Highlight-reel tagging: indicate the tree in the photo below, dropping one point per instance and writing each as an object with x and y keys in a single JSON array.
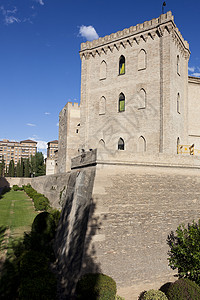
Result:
[
  {"x": 184, "y": 253},
  {"x": 39, "y": 164},
  {"x": 6, "y": 171},
  {"x": 26, "y": 168},
  {"x": 21, "y": 170},
  {"x": 2, "y": 167},
  {"x": 33, "y": 166},
  {"x": 18, "y": 169},
  {"x": 11, "y": 169}
]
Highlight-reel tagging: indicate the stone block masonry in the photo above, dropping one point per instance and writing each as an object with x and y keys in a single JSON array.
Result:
[
  {"x": 137, "y": 207},
  {"x": 129, "y": 211}
]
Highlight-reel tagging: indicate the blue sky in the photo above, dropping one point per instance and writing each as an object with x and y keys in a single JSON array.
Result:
[{"x": 39, "y": 54}]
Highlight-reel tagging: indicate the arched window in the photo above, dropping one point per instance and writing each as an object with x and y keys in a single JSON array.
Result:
[
  {"x": 178, "y": 103},
  {"x": 103, "y": 70},
  {"x": 121, "y": 144},
  {"x": 121, "y": 102},
  {"x": 102, "y": 106},
  {"x": 142, "y": 99},
  {"x": 178, "y": 65},
  {"x": 101, "y": 144},
  {"x": 178, "y": 143},
  {"x": 142, "y": 60},
  {"x": 142, "y": 144},
  {"x": 122, "y": 65}
]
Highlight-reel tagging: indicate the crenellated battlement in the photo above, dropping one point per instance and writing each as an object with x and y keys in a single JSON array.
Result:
[
  {"x": 148, "y": 29},
  {"x": 69, "y": 106},
  {"x": 73, "y": 105}
]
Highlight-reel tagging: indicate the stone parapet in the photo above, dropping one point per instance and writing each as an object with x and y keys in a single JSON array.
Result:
[
  {"x": 192, "y": 79},
  {"x": 158, "y": 160},
  {"x": 87, "y": 158},
  {"x": 133, "y": 34}
]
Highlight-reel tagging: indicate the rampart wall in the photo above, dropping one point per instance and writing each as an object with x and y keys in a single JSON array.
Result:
[
  {"x": 52, "y": 186},
  {"x": 118, "y": 216}
]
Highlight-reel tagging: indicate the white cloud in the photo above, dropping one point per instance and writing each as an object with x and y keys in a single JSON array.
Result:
[
  {"x": 47, "y": 113},
  {"x": 196, "y": 74},
  {"x": 9, "y": 15},
  {"x": 11, "y": 20},
  {"x": 191, "y": 69},
  {"x": 57, "y": 124},
  {"x": 40, "y": 2},
  {"x": 41, "y": 145},
  {"x": 12, "y": 11},
  {"x": 88, "y": 32},
  {"x": 30, "y": 124}
]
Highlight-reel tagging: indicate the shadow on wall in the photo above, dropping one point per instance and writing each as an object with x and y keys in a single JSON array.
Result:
[
  {"x": 73, "y": 238},
  {"x": 3, "y": 184}
]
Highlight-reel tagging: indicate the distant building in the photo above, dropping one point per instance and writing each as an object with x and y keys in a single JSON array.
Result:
[
  {"x": 16, "y": 150},
  {"x": 52, "y": 147},
  {"x": 51, "y": 160}
]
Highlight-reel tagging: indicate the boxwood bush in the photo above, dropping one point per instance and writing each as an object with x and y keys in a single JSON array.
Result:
[
  {"x": 17, "y": 188},
  {"x": 96, "y": 286},
  {"x": 36, "y": 280},
  {"x": 153, "y": 295},
  {"x": 40, "y": 201},
  {"x": 183, "y": 289}
]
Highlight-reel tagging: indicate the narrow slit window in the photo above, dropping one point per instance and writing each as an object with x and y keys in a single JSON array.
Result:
[
  {"x": 178, "y": 65},
  {"x": 178, "y": 143},
  {"x": 122, "y": 65},
  {"x": 178, "y": 103}
]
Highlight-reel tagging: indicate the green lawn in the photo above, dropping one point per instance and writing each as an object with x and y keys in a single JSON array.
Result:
[{"x": 16, "y": 212}]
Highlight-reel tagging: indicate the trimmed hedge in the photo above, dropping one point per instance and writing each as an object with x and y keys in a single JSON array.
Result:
[
  {"x": 17, "y": 188},
  {"x": 153, "y": 295},
  {"x": 44, "y": 224},
  {"x": 96, "y": 286},
  {"x": 183, "y": 289},
  {"x": 27, "y": 274},
  {"x": 40, "y": 201},
  {"x": 36, "y": 280}
]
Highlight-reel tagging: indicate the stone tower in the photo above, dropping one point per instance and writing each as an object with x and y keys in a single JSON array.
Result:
[
  {"x": 134, "y": 89},
  {"x": 69, "y": 125}
]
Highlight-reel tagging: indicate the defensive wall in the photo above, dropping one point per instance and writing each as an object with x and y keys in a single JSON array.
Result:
[{"x": 116, "y": 216}]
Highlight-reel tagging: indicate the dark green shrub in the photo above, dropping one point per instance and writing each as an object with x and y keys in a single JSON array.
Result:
[
  {"x": 9, "y": 280},
  {"x": 33, "y": 264},
  {"x": 38, "y": 288},
  {"x": 56, "y": 215},
  {"x": 153, "y": 295},
  {"x": 96, "y": 286},
  {"x": 183, "y": 289},
  {"x": 17, "y": 188},
  {"x": 184, "y": 254},
  {"x": 41, "y": 203},
  {"x": 38, "y": 195},
  {"x": 44, "y": 224},
  {"x": 36, "y": 280}
]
